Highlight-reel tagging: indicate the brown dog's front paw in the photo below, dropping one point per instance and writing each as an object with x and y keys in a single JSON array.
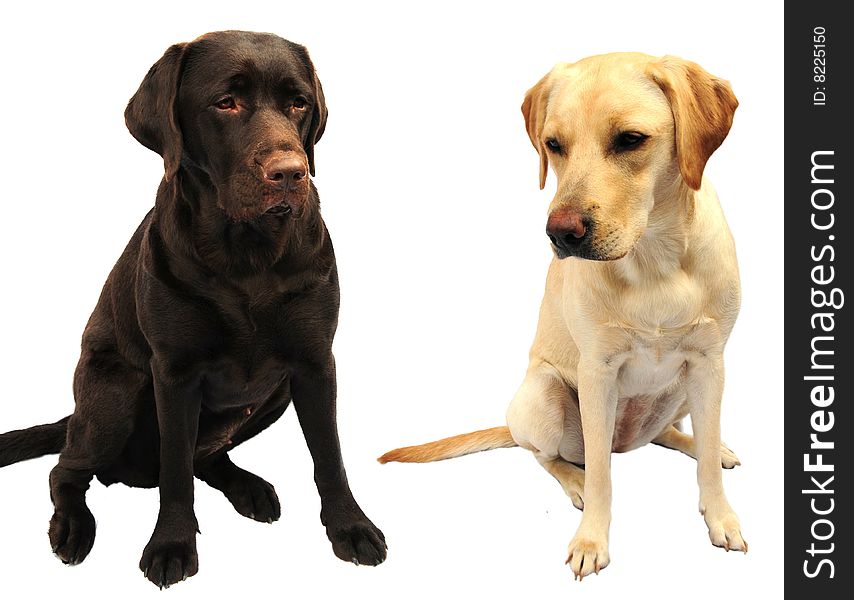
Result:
[
  {"x": 164, "y": 563},
  {"x": 359, "y": 542},
  {"x": 72, "y": 533}
]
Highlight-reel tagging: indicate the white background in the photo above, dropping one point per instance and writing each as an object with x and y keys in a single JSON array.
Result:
[{"x": 429, "y": 187}]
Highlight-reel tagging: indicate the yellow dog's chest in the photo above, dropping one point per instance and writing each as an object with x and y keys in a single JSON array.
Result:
[
  {"x": 649, "y": 370},
  {"x": 653, "y": 328},
  {"x": 648, "y": 383}
]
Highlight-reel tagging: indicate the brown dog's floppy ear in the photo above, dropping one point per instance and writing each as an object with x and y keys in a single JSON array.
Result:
[
  {"x": 318, "y": 123},
  {"x": 534, "y": 110},
  {"x": 703, "y": 107},
  {"x": 151, "y": 113}
]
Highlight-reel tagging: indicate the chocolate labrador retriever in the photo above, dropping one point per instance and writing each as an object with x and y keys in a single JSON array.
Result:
[{"x": 219, "y": 313}]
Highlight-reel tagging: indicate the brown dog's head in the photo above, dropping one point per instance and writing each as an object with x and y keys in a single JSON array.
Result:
[
  {"x": 243, "y": 109},
  {"x": 619, "y": 131}
]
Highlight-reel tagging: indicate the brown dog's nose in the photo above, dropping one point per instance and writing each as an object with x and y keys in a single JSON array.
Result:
[
  {"x": 284, "y": 171},
  {"x": 566, "y": 229}
]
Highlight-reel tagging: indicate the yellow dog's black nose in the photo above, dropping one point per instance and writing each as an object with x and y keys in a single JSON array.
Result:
[{"x": 566, "y": 229}]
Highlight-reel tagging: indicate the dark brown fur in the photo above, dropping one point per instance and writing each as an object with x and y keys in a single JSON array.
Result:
[{"x": 218, "y": 314}]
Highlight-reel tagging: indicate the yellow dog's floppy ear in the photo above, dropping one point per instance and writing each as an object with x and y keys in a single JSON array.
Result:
[
  {"x": 703, "y": 107},
  {"x": 534, "y": 110}
]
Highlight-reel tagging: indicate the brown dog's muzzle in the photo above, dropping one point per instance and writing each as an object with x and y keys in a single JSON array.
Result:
[{"x": 286, "y": 177}]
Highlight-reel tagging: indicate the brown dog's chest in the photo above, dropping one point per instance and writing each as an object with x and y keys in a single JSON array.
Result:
[
  {"x": 234, "y": 383},
  {"x": 236, "y": 397},
  {"x": 241, "y": 374}
]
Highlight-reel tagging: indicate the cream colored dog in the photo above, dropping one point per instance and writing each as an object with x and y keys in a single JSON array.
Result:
[{"x": 642, "y": 293}]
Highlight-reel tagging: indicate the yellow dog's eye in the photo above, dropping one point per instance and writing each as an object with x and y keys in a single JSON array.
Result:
[
  {"x": 629, "y": 140},
  {"x": 553, "y": 145}
]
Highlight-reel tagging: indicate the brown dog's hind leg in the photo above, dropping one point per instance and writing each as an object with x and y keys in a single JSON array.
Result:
[
  {"x": 72, "y": 526},
  {"x": 250, "y": 495},
  {"x": 683, "y": 442},
  {"x": 98, "y": 430}
]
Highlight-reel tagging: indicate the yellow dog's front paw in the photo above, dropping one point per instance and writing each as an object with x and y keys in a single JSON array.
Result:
[
  {"x": 725, "y": 530},
  {"x": 587, "y": 555}
]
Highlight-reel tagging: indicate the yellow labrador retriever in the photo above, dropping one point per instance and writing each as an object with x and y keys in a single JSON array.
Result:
[{"x": 642, "y": 293}]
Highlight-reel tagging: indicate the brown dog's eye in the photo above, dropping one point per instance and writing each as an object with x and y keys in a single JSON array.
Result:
[
  {"x": 553, "y": 145},
  {"x": 629, "y": 140},
  {"x": 227, "y": 103},
  {"x": 299, "y": 104}
]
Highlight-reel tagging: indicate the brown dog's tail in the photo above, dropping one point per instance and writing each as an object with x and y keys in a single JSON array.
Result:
[
  {"x": 452, "y": 447},
  {"x": 32, "y": 442}
]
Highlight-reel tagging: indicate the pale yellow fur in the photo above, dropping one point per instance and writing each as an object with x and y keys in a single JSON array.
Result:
[{"x": 628, "y": 346}]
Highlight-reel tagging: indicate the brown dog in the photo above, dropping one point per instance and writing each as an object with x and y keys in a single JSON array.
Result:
[
  {"x": 219, "y": 313},
  {"x": 642, "y": 293}
]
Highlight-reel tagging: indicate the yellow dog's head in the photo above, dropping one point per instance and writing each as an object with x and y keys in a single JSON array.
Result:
[{"x": 619, "y": 131}]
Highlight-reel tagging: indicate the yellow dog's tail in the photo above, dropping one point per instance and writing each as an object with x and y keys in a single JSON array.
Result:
[{"x": 452, "y": 447}]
